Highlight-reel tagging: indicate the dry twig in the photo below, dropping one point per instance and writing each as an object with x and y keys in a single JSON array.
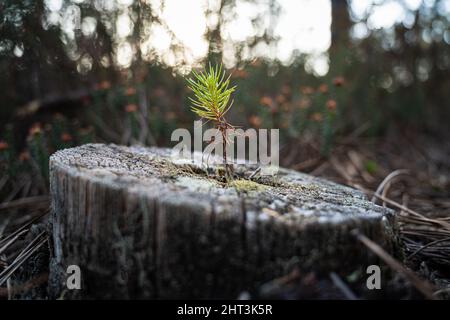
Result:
[{"x": 422, "y": 285}]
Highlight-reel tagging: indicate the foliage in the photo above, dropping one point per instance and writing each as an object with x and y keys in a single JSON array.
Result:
[
  {"x": 212, "y": 102},
  {"x": 212, "y": 94},
  {"x": 391, "y": 79}
]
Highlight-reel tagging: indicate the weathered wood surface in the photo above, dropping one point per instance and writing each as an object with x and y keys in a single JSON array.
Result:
[{"x": 141, "y": 225}]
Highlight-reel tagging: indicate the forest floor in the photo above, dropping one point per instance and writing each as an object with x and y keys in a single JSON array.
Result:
[
  {"x": 420, "y": 183},
  {"x": 415, "y": 172}
]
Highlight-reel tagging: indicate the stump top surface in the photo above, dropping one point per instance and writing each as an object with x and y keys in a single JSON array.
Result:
[{"x": 152, "y": 173}]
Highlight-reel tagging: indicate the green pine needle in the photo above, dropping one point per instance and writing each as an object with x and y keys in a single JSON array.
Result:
[{"x": 212, "y": 93}]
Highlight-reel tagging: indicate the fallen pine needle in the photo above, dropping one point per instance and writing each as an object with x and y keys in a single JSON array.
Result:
[{"x": 422, "y": 285}]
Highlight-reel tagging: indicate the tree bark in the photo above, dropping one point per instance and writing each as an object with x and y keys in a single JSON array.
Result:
[
  {"x": 340, "y": 23},
  {"x": 141, "y": 224}
]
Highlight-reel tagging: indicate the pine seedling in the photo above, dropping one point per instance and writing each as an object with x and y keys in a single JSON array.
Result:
[{"x": 212, "y": 101}]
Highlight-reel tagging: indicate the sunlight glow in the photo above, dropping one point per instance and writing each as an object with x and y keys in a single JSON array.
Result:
[
  {"x": 302, "y": 27},
  {"x": 386, "y": 15},
  {"x": 124, "y": 25},
  {"x": 124, "y": 54}
]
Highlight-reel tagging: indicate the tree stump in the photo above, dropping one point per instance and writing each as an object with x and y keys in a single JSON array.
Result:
[{"x": 142, "y": 225}]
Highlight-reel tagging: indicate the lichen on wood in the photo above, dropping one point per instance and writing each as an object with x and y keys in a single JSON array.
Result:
[{"x": 143, "y": 225}]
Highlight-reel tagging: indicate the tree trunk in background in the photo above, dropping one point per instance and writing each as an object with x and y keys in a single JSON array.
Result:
[
  {"x": 340, "y": 39},
  {"x": 340, "y": 24},
  {"x": 214, "y": 37}
]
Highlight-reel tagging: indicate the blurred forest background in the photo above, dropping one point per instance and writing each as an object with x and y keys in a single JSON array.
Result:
[{"x": 358, "y": 88}]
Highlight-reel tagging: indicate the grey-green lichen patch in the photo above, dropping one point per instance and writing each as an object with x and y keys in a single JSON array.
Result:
[
  {"x": 293, "y": 195},
  {"x": 196, "y": 184},
  {"x": 242, "y": 185}
]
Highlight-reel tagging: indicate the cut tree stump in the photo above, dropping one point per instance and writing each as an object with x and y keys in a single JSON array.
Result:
[{"x": 140, "y": 224}]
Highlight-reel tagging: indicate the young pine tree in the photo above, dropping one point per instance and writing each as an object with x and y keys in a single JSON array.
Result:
[{"x": 212, "y": 93}]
